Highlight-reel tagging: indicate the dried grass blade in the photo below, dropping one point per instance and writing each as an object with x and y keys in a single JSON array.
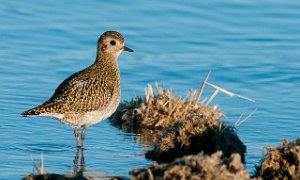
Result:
[
  {"x": 199, "y": 94},
  {"x": 228, "y": 92},
  {"x": 246, "y": 118},
  {"x": 35, "y": 164},
  {"x": 42, "y": 169},
  {"x": 212, "y": 97},
  {"x": 157, "y": 88},
  {"x": 238, "y": 120}
]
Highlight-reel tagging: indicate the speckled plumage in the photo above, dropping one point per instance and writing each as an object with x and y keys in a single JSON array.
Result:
[{"x": 90, "y": 95}]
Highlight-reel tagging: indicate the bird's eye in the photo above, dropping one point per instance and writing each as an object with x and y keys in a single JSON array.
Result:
[{"x": 113, "y": 43}]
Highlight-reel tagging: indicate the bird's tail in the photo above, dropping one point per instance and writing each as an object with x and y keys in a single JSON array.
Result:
[
  {"x": 32, "y": 112},
  {"x": 41, "y": 109}
]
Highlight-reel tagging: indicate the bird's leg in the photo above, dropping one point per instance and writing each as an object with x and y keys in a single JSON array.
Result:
[
  {"x": 76, "y": 133},
  {"x": 83, "y": 136}
]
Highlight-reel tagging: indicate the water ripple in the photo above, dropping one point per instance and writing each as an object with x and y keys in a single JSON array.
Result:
[{"x": 42, "y": 147}]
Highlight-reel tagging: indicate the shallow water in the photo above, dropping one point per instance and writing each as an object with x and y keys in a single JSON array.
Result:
[{"x": 252, "y": 48}]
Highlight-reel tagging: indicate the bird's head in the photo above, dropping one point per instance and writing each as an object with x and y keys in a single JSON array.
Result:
[{"x": 112, "y": 42}]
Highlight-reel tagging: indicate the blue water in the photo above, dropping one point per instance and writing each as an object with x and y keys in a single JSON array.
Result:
[{"x": 252, "y": 48}]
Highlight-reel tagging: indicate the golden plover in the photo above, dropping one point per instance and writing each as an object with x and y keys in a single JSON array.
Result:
[{"x": 90, "y": 95}]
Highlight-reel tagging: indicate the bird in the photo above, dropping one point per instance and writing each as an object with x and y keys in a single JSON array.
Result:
[{"x": 91, "y": 95}]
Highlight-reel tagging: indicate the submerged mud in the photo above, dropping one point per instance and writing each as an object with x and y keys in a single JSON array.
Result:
[
  {"x": 198, "y": 166},
  {"x": 197, "y": 134},
  {"x": 281, "y": 162}
]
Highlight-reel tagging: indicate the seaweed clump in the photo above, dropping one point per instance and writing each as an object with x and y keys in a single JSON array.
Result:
[
  {"x": 281, "y": 162},
  {"x": 198, "y": 166},
  {"x": 195, "y": 134}
]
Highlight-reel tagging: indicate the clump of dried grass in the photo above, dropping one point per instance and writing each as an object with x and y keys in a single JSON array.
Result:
[
  {"x": 166, "y": 113},
  {"x": 198, "y": 166},
  {"x": 281, "y": 162},
  {"x": 151, "y": 116},
  {"x": 194, "y": 134},
  {"x": 159, "y": 111}
]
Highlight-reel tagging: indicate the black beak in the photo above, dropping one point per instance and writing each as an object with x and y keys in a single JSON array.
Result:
[{"x": 127, "y": 49}]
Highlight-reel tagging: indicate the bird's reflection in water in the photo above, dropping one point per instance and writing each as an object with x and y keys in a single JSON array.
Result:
[{"x": 79, "y": 173}]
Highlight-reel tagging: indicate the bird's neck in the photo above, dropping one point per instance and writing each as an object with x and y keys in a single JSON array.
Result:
[{"x": 107, "y": 59}]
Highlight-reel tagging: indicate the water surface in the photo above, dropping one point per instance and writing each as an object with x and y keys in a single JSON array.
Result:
[{"x": 252, "y": 48}]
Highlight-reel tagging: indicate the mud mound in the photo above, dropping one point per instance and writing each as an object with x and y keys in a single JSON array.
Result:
[
  {"x": 194, "y": 134},
  {"x": 282, "y": 162},
  {"x": 198, "y": 166}
]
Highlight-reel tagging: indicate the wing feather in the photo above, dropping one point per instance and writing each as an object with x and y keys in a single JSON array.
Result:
[{"x": 81, "y": 92}]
